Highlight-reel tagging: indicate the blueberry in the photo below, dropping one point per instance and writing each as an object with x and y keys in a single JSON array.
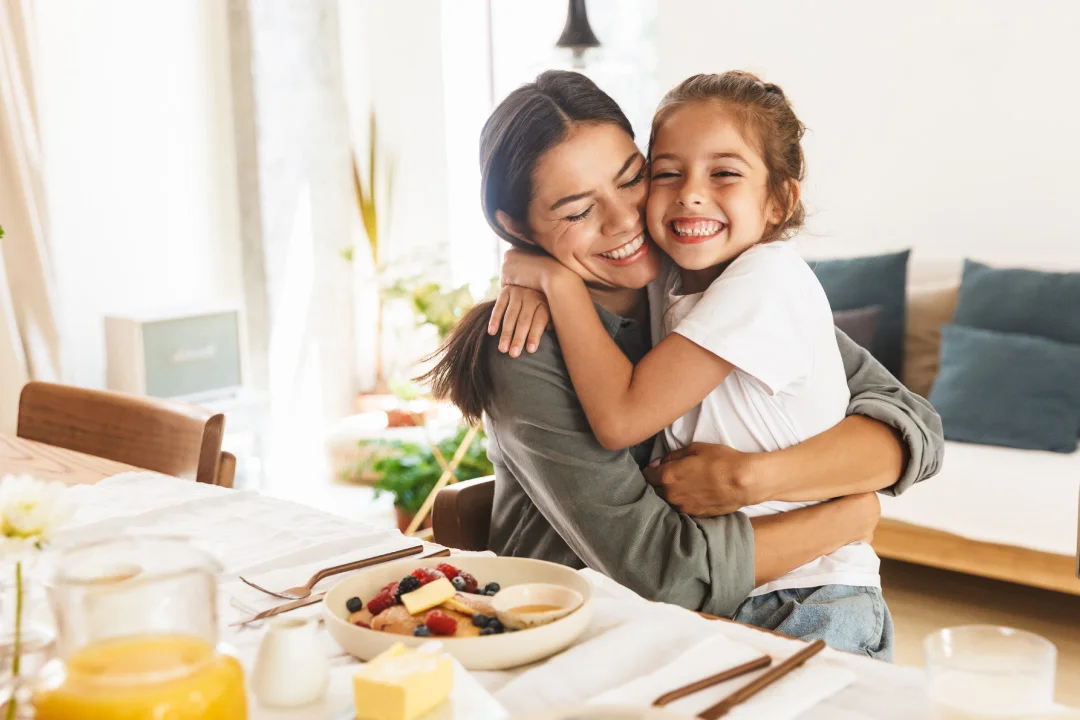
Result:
[
  {"x": 354, "y": 604},
  {"x": 459, "y": 584},
  {"x": 480, "y": 620},
  {"x": 491, "y": 588},
  {"x": 495, "y": 625},
  {"x": 422, "y": 631},
  {"x": 488, "y": 631},
  {"x": 407, "y": 585}
]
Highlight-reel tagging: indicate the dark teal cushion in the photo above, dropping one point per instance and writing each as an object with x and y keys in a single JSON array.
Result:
[
  {"x": 880, "y": 280},
  {"x": 1006, "y": 389},
  {"x": 1014, "y": 300}
]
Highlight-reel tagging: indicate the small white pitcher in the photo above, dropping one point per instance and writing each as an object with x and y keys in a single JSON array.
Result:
[{"x": 291, "y": 668}]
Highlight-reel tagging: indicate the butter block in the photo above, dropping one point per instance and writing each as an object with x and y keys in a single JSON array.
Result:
[
  {"x": 402, "y": 684},
  {"x": 431, "y": 595}
]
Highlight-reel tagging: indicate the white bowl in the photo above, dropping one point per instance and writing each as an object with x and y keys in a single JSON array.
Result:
[
  {"x": 489, "y": 652},
  {"x": 563, "y": 599}
]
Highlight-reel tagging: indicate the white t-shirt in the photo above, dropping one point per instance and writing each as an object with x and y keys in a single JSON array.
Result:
[{"x": 767, "y": 315}]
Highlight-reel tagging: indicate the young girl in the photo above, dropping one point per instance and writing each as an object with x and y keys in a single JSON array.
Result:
[{"x": 745, "y": 351}]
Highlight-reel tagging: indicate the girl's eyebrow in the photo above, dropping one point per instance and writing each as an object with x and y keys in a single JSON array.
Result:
[
  {"x": 714, "y": 156},
  {"x": 730, "y": 156}
]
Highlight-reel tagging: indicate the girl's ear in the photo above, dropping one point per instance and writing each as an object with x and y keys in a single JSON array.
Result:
[
  {"x": 512, "y": 227},
  {"x": 778, "y": 213}
]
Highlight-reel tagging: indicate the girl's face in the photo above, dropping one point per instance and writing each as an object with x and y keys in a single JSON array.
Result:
[
  {"x": 588, "y": 208},
  {"x": 709, "y": 199}
]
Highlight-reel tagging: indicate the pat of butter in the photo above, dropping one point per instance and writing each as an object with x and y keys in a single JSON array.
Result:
[
  {"x": 402, "y": 684},
  {"x": 434, "y": 593}
]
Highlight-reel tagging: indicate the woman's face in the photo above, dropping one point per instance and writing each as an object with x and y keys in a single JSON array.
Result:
[{"x": 588, "y": 208}]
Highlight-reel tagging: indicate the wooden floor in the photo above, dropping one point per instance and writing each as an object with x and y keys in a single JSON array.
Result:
[{"x": 925, "y": 599}]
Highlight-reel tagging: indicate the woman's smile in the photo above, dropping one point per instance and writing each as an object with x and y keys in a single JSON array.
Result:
[{"x": 630, "y": 252}]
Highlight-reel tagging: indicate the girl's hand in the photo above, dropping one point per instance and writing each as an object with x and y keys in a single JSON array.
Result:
[
  {"x": 531, "y": 270},
  {"x": 524, "y": 316}
]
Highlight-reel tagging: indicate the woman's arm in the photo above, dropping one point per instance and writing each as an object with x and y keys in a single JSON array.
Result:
[
  {"x": 601, "y": 506},
  {"x": 625, "y": 403},
  {"x": 789, "y": 540},
  {"x": 890, "y": 440}
]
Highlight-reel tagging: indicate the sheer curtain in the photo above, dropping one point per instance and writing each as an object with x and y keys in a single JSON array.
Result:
[{"x": 29, "y": 341}]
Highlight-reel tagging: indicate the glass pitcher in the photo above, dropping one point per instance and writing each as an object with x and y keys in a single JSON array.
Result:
[{"x": 137, "y": 635}]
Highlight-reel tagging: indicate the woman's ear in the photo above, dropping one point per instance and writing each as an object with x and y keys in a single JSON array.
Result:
[{"x": 512, "y": 227}]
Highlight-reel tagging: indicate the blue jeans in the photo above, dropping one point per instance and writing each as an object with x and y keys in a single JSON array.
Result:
[{"x": 855, "y": 619}]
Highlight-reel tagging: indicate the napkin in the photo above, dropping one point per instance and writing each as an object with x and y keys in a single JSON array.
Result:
[
  {"x": 789, "y": 697},
  {"x": 636, "y": 650},
  {"x": 250, "y": 601}
]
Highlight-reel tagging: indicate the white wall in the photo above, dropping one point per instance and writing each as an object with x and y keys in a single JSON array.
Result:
[
  {"x": 139, "y": 165},
  {"x": 947, "y": 127}
]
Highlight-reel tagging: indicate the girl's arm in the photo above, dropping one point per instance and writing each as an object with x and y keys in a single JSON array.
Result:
[{"x": 625, "y": 404}]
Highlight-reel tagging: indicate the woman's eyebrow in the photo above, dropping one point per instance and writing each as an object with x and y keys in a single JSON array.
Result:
[
  {"x": 572, "y": 198},
  {"x": 626, "y": 165}
]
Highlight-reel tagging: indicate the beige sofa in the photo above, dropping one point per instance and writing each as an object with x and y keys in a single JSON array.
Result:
[{"x": 996, "y": 512}]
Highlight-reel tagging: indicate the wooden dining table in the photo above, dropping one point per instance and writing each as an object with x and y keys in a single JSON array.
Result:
[{"x": 48, "y": 462}]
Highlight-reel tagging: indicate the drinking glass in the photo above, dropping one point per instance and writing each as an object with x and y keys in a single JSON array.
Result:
[{"x": 977, "y": 672}]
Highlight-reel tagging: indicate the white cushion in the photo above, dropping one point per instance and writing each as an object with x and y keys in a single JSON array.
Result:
[{"x": 1024, "y": 498}]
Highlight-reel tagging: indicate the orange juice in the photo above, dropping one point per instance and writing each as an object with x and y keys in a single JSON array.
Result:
[{"x": 145, "y": 677}]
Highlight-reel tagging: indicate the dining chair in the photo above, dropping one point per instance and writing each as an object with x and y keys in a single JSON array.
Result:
[
  {"x": 461, "y": 514},
  {"x": 165, "y": 436}
]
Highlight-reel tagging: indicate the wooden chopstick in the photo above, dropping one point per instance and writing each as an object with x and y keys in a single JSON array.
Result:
[
  {"x": 729, "y": 674},
  {"x": 755, "y": 686}
]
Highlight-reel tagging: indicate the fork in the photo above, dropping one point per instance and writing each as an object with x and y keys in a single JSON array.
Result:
[{"x": 302, "y": 591}]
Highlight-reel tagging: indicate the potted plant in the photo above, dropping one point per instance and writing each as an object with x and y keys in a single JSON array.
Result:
[{"x": 409, "y": 471}]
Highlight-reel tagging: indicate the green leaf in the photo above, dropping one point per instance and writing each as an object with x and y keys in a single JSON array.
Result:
[{"x": 409, "y": 471}]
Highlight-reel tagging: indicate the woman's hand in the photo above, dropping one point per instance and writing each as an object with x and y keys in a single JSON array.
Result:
[
  {"x": 705, "y": 480},
  {"x": 865, "y": 509},
  {"x": 532, "y": 270},
  {"x": 523, "y": 315}
]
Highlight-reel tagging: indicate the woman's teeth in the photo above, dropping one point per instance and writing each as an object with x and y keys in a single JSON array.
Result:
[
  {"x": 696, "y": 228},
  {"x": 626, "y": 250}
]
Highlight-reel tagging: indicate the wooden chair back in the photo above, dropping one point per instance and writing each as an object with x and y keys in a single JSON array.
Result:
[
  {"x": 160, "y": 435},
  {"x": 461, "y": 515},
  {"x": 226, "y": 471}
]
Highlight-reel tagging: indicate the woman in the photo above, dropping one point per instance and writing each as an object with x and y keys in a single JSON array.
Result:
[{"x": 561, "y": 173}]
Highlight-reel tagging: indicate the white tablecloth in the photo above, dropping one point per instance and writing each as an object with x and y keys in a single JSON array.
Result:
[{"x": 259, "y": 536}]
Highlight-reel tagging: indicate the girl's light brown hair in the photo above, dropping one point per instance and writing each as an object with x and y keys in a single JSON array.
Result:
[{"x": 768, "y": 121}]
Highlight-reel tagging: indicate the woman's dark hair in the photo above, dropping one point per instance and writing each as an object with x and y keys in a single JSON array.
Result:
[{"x": 530, "y": 121}]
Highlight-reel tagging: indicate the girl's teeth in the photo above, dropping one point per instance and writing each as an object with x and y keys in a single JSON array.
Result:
[
  {"x": 696, "y": 228},
  {"x": 626, "y": 250}
]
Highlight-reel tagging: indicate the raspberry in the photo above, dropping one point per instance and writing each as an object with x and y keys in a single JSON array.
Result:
[
  {"x": 448, "y": 570},
  {"x": 361, "y": 623},
  {"x": 439, "y": 623},
  {"x": 389, "y": 588},
  {"x": 470, "y": 582},
  {"x": 380, "y": 602},
  {"x": 426, "y": 575}
]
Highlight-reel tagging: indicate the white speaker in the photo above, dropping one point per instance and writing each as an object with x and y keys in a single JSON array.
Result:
[{"x": 191, "y": 355}]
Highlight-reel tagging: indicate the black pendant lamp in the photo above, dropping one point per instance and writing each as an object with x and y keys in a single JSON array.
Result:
[{"x": 577, "y": 36}]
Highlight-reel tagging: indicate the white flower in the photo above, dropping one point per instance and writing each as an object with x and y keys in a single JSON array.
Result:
[{"x": 31, "y": 510}]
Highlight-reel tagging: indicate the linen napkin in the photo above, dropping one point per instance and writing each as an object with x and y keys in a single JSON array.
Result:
[
  {"x": 789, "y": 697},
  {"x": 636, "y": 650},
  {"x": 250, "y": 601}
]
